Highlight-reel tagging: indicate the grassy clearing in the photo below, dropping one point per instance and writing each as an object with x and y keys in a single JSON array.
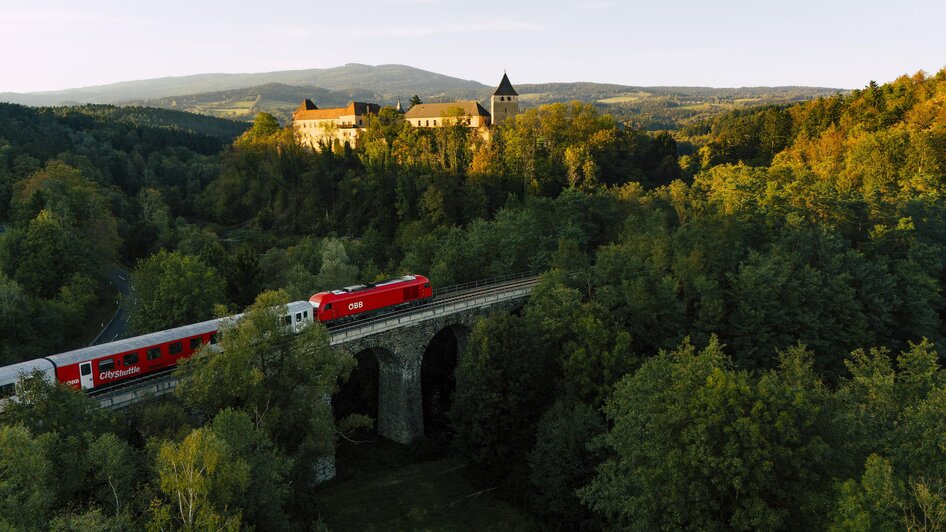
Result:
[
  {"x": 384, "y": 486},
  {"x": 698, "y": 107},
  {"x": 626, "y": 97}
]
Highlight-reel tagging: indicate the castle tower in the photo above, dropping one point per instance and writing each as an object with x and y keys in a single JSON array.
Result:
[{"x": 504, "y": 102}]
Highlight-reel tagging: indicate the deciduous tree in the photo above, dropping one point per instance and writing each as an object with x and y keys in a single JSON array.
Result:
[{"x": 173, "y": 290}]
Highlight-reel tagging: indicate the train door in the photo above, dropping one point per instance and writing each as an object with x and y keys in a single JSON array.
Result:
[{"x": 85, "y": 375}]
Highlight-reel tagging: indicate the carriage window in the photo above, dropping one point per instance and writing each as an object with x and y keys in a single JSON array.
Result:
[
  {"x": 287, "y": 320},
  {"x": 7, "y": 390},
  {"x": 305, "y": 314},
  {"x": 131, "y": 358},
  {"x": 154, "y": 353},
  {"x": 298, "y": 316},
  {"x": 176, "y": 348},
  {"x": 328, "y": 307},
  {"x": 85, "y": 369},
  {"x": 106, "y": 365},
  {"x": 213, "y": 338},
  {"x": 195, "y": 343}
]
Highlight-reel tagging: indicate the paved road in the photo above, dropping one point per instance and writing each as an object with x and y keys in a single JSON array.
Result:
[{"x": 115, "y": 329}]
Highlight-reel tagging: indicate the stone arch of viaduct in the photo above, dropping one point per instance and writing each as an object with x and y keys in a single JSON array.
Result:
[{"x": 400, "y": 354}]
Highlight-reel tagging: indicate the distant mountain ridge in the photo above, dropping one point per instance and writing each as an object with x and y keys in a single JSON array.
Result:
[{"x": 385, "y": 79}]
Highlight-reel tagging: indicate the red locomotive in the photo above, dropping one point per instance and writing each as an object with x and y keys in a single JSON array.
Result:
[{"x": 353, "y": 301}]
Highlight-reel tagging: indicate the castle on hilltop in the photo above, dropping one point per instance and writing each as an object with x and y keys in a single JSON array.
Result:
[{"x": 316, "y": 126}]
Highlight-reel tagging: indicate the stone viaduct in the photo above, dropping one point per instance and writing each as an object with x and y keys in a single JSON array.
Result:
[{"x": 398, "y": 341}]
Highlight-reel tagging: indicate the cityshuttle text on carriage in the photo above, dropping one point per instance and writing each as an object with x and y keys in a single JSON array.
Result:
[{"x": 111, "y": 374}]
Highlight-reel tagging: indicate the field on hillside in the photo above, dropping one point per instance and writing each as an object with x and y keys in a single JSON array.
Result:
[{"x": 625, "y": 98}]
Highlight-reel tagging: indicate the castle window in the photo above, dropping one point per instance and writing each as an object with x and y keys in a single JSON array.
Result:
[
  {"x": 435, "y": 122},
  {"x": 502, "y": 99},
  {"x": 428, "y": 122}
]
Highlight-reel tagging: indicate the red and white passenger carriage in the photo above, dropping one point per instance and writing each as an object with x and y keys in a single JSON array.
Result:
[{"x": 107, "y": 364}]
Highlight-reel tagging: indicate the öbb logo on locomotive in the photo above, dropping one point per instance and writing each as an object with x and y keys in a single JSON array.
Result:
[{"x": 107, "y": 364}]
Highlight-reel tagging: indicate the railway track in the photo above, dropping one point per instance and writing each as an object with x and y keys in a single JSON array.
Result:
[{"x": 163, "y": 380}]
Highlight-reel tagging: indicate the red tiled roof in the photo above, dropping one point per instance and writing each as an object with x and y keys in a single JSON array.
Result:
[{"x": 304, "y": 112}]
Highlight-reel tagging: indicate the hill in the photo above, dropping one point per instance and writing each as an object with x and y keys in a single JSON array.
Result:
[
  {"x": 149, "y": 117},
  {"x": 385, "y": 79},
  {"x": 277, "y": 99}
]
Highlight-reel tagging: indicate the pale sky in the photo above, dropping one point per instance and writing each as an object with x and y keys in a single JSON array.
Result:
[{"x": 47, "y": 45}]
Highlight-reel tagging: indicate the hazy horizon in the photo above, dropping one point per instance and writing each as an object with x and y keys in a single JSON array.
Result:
[{"x": 738, "y": 43}]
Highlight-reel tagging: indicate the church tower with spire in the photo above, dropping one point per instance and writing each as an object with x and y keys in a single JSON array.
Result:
[{"x": 504, "y": 102}]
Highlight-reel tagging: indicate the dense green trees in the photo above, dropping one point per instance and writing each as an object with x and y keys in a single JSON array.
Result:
[
  {"x": 563, "y": 461},
  {"x": 503, "y": 386},
  {"x": 281, "y": 381},
  {"x": 173, "y": 290},
  {"x": 26, "y": 493},
  {"x": 237, "y": 450},
  {"x": 81, "y": 189},
  {"x": 700, "y": 444},
  {"x": 833, "y": 238},
  {"x": 62, "y": 237},
  {"x": 795, "y": 247}
]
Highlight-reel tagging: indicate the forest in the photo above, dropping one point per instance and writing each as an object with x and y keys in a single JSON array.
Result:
[{"x": 737, "y": 324}]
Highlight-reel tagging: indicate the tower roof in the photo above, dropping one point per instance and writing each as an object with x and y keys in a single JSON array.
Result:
[
  {"x": 505, "y": 88},
  {"x": 306, "y": 105}
]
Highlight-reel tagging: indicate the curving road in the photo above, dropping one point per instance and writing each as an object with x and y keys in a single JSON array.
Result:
[{"x": 115, "y": 328}]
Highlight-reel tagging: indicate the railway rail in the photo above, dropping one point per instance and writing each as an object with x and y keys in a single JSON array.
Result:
[{"x": 445, "y": 301}]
